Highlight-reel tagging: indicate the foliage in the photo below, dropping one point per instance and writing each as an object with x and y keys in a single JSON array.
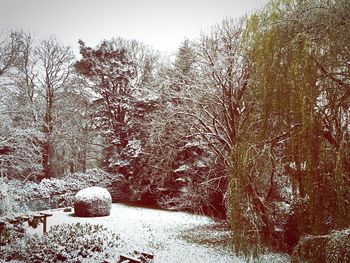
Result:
[
  {"x": 110, "y": 70},
  {"x": 254, "y": 114},
  {"x": 8, "y": 203},
  {"x": 66, "y": 243},
  {"x": 326, "y": 248},
  {"x": 9, "y": 233},
  {"x": 64, "y": 188},
  {"x": 36, "y": 95},
  {"x": 185, "y": 155},
  {"x": 9, "y": 207},
  {"x": 20, "y": 154},
  {"x": 299, "y": 127}
]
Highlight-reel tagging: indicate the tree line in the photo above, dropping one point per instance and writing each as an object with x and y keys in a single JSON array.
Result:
[{"x": 251, "y": 121}]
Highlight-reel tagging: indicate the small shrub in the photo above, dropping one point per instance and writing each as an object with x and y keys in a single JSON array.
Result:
[
  {"x": 8, "y": 203},
  {"x": 331, "y": 248},
  {"x": 10, "y": 233},
  {"x": 9, "y": 208},
  {"x": 65, "y": 243}
]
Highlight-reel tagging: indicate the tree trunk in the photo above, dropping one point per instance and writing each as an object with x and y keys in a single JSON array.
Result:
[
  {"x": 46, "y": 160},
  {"x": 267, "y": 231}
]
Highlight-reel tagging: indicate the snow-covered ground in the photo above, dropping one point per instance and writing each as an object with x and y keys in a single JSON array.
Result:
[{"x": 158, "y": 232}]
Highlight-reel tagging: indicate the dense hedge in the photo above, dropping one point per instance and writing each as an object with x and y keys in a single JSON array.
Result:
[{"x": 60, "y": 191}]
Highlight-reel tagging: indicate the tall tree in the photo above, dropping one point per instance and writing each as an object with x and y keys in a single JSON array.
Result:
[
  {"x": 217, "y": 95},
  {"x": 20, "y": 152},
  {"x": 109, "y": 72},
  {"x": 54, "y": 63},
  {"x": 292, "y": 79},
  {"x": 201, "y": 102},
  {"x": 36, "y": 88}
]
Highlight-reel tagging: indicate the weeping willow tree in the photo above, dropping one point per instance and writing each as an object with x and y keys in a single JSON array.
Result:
[{"x": 299, "y": 79}]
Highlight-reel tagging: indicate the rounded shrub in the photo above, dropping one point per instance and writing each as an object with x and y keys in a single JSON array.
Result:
[{"x": 92, "y": 201}]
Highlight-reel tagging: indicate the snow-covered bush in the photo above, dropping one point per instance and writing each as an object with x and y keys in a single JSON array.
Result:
[
  {"x": 332, "y": 248},
  {"x": 66, "y": 243},
  {"x": 19, "y": 151},
  {"x": 9, "y": 233},
  {"x": 60, "y": 191},
  {"x": 8, "y": 203},
  {"x": 8, "y": 208},
  {"x": 93, "y": 201}
]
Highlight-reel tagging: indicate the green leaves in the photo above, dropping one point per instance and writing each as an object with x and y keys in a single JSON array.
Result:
[{"x": 286, "y": 48}]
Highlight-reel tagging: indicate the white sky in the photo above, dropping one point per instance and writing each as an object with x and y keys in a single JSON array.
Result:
[{"x": 162, "y": 24}]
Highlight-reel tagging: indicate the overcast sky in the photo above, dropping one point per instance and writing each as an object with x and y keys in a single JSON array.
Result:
[{"x": 162, "y": 24}]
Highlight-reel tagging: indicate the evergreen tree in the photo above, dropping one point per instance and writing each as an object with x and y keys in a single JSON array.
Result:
[{"x": 109, "y": 72}]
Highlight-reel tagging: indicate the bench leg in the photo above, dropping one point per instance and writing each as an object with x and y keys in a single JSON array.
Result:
[{"x": 44, "y": 225}]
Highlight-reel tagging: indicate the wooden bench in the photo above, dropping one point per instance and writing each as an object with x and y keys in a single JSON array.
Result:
[
  {"x": 144, "y": 256},
  {"x": 129, "y": 259},
  {"x": 141, "y": 257},
  {"x": 42, "y": 216}
]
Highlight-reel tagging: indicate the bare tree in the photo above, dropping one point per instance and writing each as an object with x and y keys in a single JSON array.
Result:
[
  {"x": 19, "y": 139},
  {"x": 54, "y": 70},
  {"x": 10, "y": 50},
  {"x": 35, "y": 89}
]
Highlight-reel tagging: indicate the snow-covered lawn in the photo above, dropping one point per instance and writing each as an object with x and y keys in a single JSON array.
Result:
[{"x": 158, "y": 232}]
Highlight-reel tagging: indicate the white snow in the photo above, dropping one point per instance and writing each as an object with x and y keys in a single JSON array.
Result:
[
  {"x": 118, "y": 162},
  {"x": 158, "y": 232},
  {"x": 134, "y": 147},
  {"x": 195, "y": 144},
  {"x": 200, "y": 164},
  {"x": 182, "y": 168},
  {"x": 92, "y": 193}
]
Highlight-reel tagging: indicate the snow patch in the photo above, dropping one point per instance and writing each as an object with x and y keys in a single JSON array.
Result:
[
  {"x": 158, "y": 232},
  {"x": 182, "y": 168}
]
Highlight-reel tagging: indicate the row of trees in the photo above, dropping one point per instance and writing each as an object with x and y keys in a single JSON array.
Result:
[
  {"x": 34, "y": 89},
  {"x": 54, "y": 120},
  {"x": 263, "y": 102},
  {"x": 250, "y": 121}
]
